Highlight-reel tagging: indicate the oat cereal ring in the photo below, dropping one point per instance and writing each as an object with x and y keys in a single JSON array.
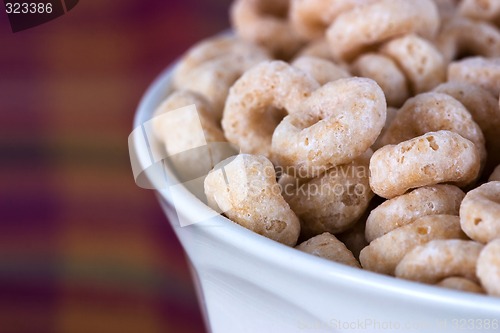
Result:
[
  {"x": 484, "y": 110},
  {"x": 488, "y": 10},
  {"x": 480, "y": 212},
  {"x": 213, "y": 80},
  {"x": 265, "y": 23},
  {"x": 329, "y": 247},
  {"x": 205, "y": 51},
  {"x": 446, "y": 8},
  {"x": 258, "y": 101},
  {"x": 354, "y": 238},
  {"x": 422, "y": 161},
  {"x": 419, "y": 60},
  {"x": 176, "y": 134},
  {"x": 334, "y": 201},
  {"x": 339, "y": 122},
  {"x": 430, "y": 112},
  {"x": 363, "y": 27},
  {"x": 484, "y": 72},
  {"x": 244, "y": 188},
  {"x": 310, "y": 18},
  {"x": 488, "y": 267},
  {"x": 321, "y": 70},
  {"x": 462, "y": 284},
  {"x": 495, "y": 176},
  {"x": 439, "y": 259},
  {"x": 216, "y": 48},
  {"x": 406, "y": 208},
  {"x": 391, "y": 114},
  {"x": 317, "y": 48},
  {"x": 289, "y": 185},
  {"x": 177, "y": 131},
  {"x": 384, "y": 253},
  {"x": 386, "y": 73},
  {"x": 212, "y": 66},
  {"x": 481, "y": 104},
  {"x": 463, "y": 36}
]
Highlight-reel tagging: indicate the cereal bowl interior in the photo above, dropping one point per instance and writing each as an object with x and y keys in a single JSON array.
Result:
[{"x": 249, "y": 283}]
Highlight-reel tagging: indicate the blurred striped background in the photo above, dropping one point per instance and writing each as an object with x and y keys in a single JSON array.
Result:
[{"x": 82, "y": 249}]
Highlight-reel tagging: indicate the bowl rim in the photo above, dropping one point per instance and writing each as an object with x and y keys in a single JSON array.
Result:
[{"x": 227, "y": 232}]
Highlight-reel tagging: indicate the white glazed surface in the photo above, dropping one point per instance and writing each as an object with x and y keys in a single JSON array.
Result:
[{"x": 248, "y": 283}]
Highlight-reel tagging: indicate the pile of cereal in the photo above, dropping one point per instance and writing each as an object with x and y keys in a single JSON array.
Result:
[{"x": 368, "y": 131}]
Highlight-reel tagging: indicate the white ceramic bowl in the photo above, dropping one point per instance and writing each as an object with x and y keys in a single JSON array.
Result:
[{"x": 248, "y": 283}]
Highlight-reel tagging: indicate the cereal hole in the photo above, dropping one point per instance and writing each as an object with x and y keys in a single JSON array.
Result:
[{"x": 477, "y": 220}]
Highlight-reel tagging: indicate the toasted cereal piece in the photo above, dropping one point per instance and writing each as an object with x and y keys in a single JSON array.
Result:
[
  {"x": 329, "y": 247},
  {"x": 334, "y": 201},
  {"x": 265, "y": 23},
  {"x": 322, "y": 70},
  {"x": 244, "y": 188},
  {"x": 480, "y": 212},
  {"x": 386, "y": 73},
  {"x": 193, "y": 141},
  {"x": 481, "y": 103},
  {"x": 259, "y": 100},
  {"x": 212, "y": 80},
  {"x": 461, "y": 36},
  {"x": 495, "y": 176},
  {"x": 430, "y": 112},
  {"x": 446, "y": 8},
  {"x": 462, "y": 284},
  {"x": 176, "y": 133},
  {"x": 439, "y": 259},
  {"x": 310, "y": 18},
  {"x": 488, "y": 10},
  {"x": 391, "y": 114},
  {"x": 484, "y": 109},
  {"x": 384, "y": 253},
  {"x": 419, "y": 59},
  {"x": 290, "y": 184},
  {"x": 484, "y": 72},
  {"x": 406, "y": 208},
  {"x": 363, "y": 27},
  {"x": 212, "y": 66},
  {"x": 217, "y": 47},
  {"x": 318, "y": 48},
  {"x": 488, "y": 267},
  {"x": 354, "y": 238},
  {"x": 339, "y": 122},
  {"x": 422, "y": 161}
]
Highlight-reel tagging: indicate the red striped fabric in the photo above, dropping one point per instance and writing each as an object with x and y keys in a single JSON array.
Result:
[{"x": 82, "y": 248}]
